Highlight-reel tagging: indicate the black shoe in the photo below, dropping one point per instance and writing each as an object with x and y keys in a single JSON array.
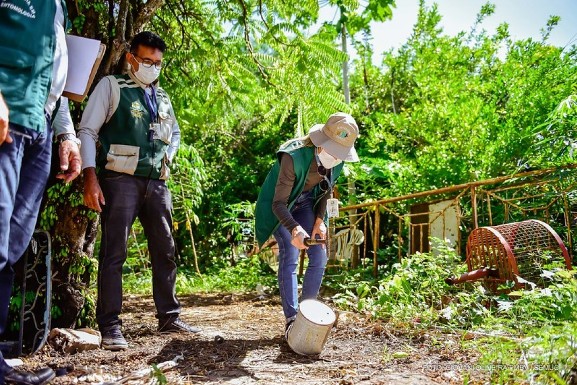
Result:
[
  {"x": 171, "y": 325},
  {"x": 112, "y": 338},
  {"x": 38, "y": 377}
]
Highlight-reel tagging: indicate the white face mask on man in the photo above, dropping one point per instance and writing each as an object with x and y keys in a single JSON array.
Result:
[
  {"x": 327, "y": 160},
  {"x": 146, "y": 75}
]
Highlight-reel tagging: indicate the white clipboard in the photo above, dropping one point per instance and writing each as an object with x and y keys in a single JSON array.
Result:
[{"x": 84, "y": 57}]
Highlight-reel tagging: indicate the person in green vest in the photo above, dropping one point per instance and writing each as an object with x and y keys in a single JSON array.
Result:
[
  {"x": 33, "y": 68},
  {"x": 292, "y": 203},
  {"x": 132, "y": 119}
]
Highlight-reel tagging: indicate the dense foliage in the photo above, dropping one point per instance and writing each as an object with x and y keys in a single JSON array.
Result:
[
  {"x": 445, "y": 110},
  {"x": 441, "y": 110},
  {"x": 246, "y": 75},
  {"x": 253, "y": 79}
]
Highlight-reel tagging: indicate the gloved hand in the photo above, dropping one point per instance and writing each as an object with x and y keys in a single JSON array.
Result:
[{"x": 298, "y": 238}]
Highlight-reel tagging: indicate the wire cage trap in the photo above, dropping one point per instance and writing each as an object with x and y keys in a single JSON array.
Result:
[
  {"x": 515, "y": 253},
  {"x": 30, "y": 325}
]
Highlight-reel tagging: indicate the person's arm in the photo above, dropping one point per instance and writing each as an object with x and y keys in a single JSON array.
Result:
[
  {"x": 4, "y": 137},
  {"x": 320, "y": 228},
  {"x": 322, "y": 207},
  {"x": 62, "y": 123},
  {"x": 68, "y": 144},
  {"x": 174, "y": 139},
  {"x": 283, "y": 188},
  {"x": 96, "y": 113}
]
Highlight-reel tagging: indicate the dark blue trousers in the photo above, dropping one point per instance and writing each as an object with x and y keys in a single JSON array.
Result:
[
  {"x": 24, "y": 170},
  {"x": 303, "y": 213},
  {"x": 129, "y": 197}
]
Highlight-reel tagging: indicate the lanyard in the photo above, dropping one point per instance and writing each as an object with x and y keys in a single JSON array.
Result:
[
  {"x": 328, "y": 174},
  {"x": 151, "y": 104}
]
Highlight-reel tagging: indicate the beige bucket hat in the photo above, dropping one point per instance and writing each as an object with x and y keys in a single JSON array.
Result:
[{"x": 337, "y": 136}]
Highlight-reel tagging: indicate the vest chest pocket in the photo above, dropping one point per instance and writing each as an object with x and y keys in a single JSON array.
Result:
[{"x": 122, "y": 158}]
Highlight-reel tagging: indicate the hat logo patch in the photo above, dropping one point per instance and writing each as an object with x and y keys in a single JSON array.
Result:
[{"x": 343, "y": 134}]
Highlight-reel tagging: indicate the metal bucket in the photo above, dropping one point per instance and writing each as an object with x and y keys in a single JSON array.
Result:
[{"x": 311, "y": 328}]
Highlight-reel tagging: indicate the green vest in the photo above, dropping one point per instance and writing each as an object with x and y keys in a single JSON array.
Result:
[
  {"x": 126, "y": 139},
  {"x": 266, "y": 222},
  {"x": 27, "y": 42}
]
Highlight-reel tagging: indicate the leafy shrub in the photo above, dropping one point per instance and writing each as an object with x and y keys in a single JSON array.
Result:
[{"x": 413, "y": 291}]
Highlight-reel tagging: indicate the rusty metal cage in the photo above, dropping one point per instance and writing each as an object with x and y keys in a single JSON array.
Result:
[{"x": 515, "y": 253}]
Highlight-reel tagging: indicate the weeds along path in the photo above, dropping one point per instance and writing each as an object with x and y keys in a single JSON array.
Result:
[{"x": 252, "y": 349}]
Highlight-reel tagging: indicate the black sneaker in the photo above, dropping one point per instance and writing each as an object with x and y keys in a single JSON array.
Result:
[
  {"x": 171, "y": 325},
  {"x": 112, "y": 338}
]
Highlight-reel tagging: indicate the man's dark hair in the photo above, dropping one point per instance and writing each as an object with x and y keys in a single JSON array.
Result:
[{"x": 148, "y": 39}]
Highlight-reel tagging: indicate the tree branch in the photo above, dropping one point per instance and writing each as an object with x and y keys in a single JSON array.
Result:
[
  {"x": 247, "y": 40},
  {"x": 146, "y": 13},
  {"x": 268, "y": 27},
  {"x": 118, "y": 44}
]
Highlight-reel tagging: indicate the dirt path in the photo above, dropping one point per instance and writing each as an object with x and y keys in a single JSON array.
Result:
[{"x": 253, "y": 350}]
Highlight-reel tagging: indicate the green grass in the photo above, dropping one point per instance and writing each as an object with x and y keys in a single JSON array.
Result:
[{"x": 244, "y": 276}]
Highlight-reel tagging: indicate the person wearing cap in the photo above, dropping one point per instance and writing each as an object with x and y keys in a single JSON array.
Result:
[{"x": 292, "y": 203}]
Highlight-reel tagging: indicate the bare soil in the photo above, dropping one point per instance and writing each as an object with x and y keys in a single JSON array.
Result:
[{"x": 242, "y": 343}]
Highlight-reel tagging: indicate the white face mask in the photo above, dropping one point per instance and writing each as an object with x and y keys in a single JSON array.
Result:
[
  {"x": 147, "y": 75},
  {"x": 328, "y": 160}
]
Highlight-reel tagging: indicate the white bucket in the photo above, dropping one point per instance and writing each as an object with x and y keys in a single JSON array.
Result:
[{"x": 311, "y": 328}]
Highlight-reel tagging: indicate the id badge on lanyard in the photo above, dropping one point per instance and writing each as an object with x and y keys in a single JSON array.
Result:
[
  {"x": 153, "y": 131},
  {"x": 332, "y": 207},
  {"x": 152, "y": 104}
]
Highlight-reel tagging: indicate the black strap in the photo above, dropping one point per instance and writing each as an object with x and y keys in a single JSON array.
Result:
[{"x": 58, "y": 102}]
